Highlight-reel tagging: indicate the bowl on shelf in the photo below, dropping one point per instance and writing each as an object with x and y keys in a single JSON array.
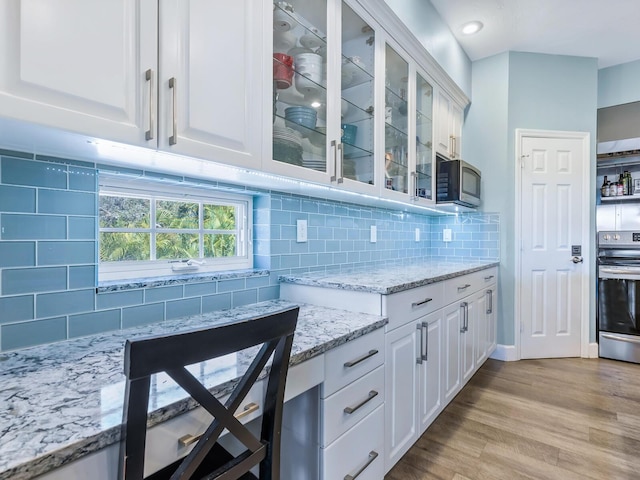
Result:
[
  {"x": 309, "y": 65},
  {"x": 282, "y": 70},
  {"x": 296, "y": 117},
  {"x": 349, "y": 133},
  {"x": 307, "y": 87},
  {"x": 283, "y": 41},
  {"x": 282, "y": 16}
]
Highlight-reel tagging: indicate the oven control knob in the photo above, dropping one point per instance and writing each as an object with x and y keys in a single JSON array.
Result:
[
  {"x": 606, "y": 236},
  {"x": 616, "y": 237}
]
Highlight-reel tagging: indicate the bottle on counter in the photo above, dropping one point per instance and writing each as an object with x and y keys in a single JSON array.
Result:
[
  {"x": 604, "y": 190},
  {"x": 628, "y": 183}
]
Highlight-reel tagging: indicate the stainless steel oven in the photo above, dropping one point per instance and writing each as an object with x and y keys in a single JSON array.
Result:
[{"x": 618, "y": 294}]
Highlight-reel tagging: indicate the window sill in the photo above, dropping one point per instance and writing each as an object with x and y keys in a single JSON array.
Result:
[{"x": 131, "y": 284}]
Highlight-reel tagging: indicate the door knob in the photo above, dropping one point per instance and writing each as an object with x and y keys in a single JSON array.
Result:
[{"x": 577, "y": 259}]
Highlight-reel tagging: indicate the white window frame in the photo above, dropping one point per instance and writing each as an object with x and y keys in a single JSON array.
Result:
[{"x": 158, "y": 190}]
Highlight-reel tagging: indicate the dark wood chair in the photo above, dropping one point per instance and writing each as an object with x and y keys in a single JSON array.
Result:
[{"x": 171, "y": 354}]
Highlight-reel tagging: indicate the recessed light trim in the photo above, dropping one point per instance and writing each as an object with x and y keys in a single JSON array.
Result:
[{"x": 470, "y": 28}]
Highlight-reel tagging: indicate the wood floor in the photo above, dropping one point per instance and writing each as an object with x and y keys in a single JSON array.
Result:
[{"x": 535, "y": 419}]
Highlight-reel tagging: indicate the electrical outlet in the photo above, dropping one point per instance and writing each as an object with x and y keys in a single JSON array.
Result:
[
  {"x": 301, "y": 231},
  {"x": 446, "y": 235},
  {"x": 374, "y": 234},
  {"x": 417, "y": 234}
]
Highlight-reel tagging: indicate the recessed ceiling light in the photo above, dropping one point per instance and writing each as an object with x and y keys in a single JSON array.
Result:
[{"x": 472, "y": 27}]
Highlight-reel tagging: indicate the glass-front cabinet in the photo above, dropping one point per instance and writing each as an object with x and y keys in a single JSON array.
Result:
[
  {"x": 323, "y": 94},
  {"x": 423, "y": 173},
  {"x": 396, "y": 122}
]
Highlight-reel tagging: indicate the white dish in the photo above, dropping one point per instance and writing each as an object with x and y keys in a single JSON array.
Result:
[
  {"x": 311, "y": 39},
  {"x": 283, "y": 41}
]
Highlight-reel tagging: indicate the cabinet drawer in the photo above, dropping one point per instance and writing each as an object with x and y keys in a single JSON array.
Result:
[
  {"x": 348, "y": 406},
  {"x": 488, "y": 276},
  {"x": 405, "y": 306},
  {"x": 350, "y": 361},
  {"x": 361, "y": 448},
  {"x": 163, "y": 440},
  {"x": 460, "y": 287}
]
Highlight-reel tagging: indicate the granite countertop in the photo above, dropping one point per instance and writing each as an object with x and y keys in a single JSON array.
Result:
[
  {"x": 390, "y": 279},
  {"x": 63, "y": 401}
]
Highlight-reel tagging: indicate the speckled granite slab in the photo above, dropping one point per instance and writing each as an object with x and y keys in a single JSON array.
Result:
[
  {"x": 62, "y": 401},
  {"x": 389, "y": 280}
]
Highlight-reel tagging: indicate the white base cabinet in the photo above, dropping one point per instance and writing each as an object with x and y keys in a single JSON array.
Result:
[{"x": 437, "y": 337}]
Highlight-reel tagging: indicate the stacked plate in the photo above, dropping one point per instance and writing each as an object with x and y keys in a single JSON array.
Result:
[{"x": 287, "y": 145}]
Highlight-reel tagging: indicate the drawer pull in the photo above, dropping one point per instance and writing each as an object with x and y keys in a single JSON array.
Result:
[
  {"x": 464, "y": 287},
  {"x": 417, "y": 304},
  {"x": 372, "y": 456},
  {"x": 352, "y": 363},
  {"x": 189, "y": 439},
  {"x": 349, "y": 410},
  {"x": 486, "y": 279}
]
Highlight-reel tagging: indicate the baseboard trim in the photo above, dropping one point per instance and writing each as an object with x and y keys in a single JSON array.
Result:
[
  {"x": 506, "y": 353},
  {"x": 592, "y": 350}
]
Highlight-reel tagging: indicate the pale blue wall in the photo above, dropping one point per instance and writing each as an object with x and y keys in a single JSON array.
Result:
[
  {"x": 532, "y": 91},
  {"x": 484, "y": 143},
  {"x": 427, "y": 25},
  {"x": 619, "y": 84}
]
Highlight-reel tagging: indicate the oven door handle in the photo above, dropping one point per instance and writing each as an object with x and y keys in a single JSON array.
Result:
[{"x": 619, "y": 339}]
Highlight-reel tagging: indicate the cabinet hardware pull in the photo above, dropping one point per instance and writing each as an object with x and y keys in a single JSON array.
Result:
[
  {"x": 417, "y": 304},
  {"x": 334, "y": 174},
  {"x": 420, "y": 347},
  {"x": 464, "y": 287},
  {"x": 463, "y": 307},
  {"x": 372, "y": 394},
  {"x": 173, "y": 85},
  {"x": 148, "y": 135},
  {"x": 189, "y": 439},
  {"x": 466, "y": 317},
  {"x": 414, "y": 190},
  {"x": 490, "y": 295},
  {"x": 372, "y": 456},
  {"x": 341, "y": 150},
  {"x": 425, "y": 327},
  {"x": 486, "y": 279},
  {"x": 356, "y": 361}
]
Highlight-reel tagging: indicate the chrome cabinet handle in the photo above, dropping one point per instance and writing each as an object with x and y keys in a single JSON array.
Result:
[
  {"x": 425, "y": 327},
  {"x": 189, "y": 439},
  {"x": 341, "y": 150},
  {"x": 349, "y": 410},
  {"x": 173, "y": 85},
  {"x": 334, "y": 145},
  {"x": 490, "y": 301},
  {"x": 372, "y": 456},
  {"x": 620, "y": 339},
  {"x": 148, "y": 135},
  {"x": 465, "y": 317},
  {"x": 356, "y": 361},
  {"x": 419, "y": 356},
  {"x": 422, "y": 302},
  {"x": 414, "y": 190},
  {"x": 464, "y": 287},
  {"x": 486, "y": 279}
]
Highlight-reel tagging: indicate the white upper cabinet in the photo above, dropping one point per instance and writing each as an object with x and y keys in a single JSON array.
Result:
[
  {"x": 323, "y": 94},
  {"x": 209, "y": 82},
  {"x": 103, "y": 69},
  {"x": 449, "y": 118},
  {"x": 79, "y": 65}
]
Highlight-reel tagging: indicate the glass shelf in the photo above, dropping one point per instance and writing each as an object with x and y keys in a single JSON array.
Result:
[{"x": 354, "y": 74}]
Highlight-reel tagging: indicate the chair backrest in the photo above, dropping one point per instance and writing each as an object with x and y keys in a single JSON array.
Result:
[{"x": 171, "y": 354}]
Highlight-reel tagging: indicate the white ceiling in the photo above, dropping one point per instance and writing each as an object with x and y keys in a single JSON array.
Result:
[{"x": 606, "y": 29}]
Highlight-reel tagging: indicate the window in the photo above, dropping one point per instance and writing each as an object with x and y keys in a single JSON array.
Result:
[{"x": 151, "y": 230}]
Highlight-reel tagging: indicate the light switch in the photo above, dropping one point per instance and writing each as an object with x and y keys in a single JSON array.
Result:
[
  {"x": 301, "y": 231},
  {"x": 446, "y": 235},
  {"x": 374, "y": 234},
  {"x": 417, "y": 234}
]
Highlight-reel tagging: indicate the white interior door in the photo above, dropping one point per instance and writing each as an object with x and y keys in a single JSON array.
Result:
[{"x": 552, "y": 218}]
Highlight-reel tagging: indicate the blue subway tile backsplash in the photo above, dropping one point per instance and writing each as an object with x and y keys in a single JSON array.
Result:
[{"x": 49, "y": 246}]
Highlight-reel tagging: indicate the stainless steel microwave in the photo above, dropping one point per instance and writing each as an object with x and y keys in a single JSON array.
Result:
[{"x": 457, "y": 182}]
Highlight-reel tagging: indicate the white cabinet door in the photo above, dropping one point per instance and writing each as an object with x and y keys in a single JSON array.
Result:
[
  {"x": 449, "y": 118},
  {"x": 210, "y": 103},
  {"x": 452, "y": 317},
  {"x": 430, "y": 371},
  {"x": 401, "y": 391},
  {"x": 467, "y": 339},
  {"x": 79, "y": 65},
  {"x": 482, "y": 330},
  {"x": 492, "y": 319}
]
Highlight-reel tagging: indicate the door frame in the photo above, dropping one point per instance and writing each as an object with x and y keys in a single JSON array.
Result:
[{"x": 522, "y": 133}]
